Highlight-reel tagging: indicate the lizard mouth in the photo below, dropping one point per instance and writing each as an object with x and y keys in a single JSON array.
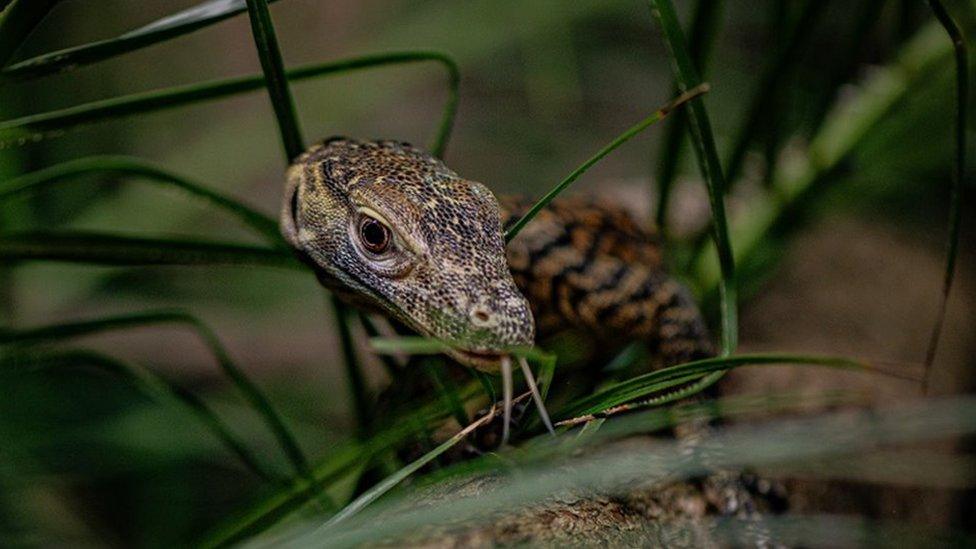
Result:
[{"x": 486, "y": 361}]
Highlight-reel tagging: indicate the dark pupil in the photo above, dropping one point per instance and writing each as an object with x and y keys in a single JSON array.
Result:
[{"x": 375, "y": 235}]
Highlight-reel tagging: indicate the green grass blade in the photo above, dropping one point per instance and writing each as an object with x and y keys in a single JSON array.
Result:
[
  {"x": 771, "y": 83},
  {"x": 419, "y": 345},
  {"x": 704, "y": 29},
  {"x": 183, "y": 22},
  {"x": 658, "y": 115},
  {"x": 37, "y": 126},
  {"x": 686, "y": 76},
  {"x": 107, "y": 249},
  {"x": 959, "y": 173},
  {"x": 17, "y": 21},
  {"x": 653, "y": 382},
  {"x": 135, "y": 167},
  {"x": 156, "y": 388},
  {"x": 252, "y": 394},
  {"x": 275, "y": 79},
  {"x": 391, "y": 481}
]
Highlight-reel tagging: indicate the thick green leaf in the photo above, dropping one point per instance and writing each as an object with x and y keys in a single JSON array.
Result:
[
  {"x": 106, "y": 249},
  {"x": 37, "y": 126},
  {"x": 135, "y": 167},
  {"x": 184, "y": 22},
  {"x": 658, "y": 115}
]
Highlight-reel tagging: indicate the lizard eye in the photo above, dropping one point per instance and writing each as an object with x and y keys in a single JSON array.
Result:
[{"x": 374, "y": 235}]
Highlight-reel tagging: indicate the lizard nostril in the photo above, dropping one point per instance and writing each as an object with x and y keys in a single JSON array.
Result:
[{"x": 480, "y": 316}]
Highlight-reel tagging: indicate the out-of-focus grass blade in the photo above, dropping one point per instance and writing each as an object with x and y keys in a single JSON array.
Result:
[
  {"x": 955, "y": 198},
  {"x": 153, "y": 386},
  {"x": 846, "y": 127},
  {"x": 660, "y": 114},
  {"x": 107, "y": 249},
  {"x": 180, "y": 23},
  {"x": 783, "y": 441},
  {"x": 252, "y": 394},
  {"x": 704, "y": 29},
  {"x": 37, "y": 126},
  {"x": 447, "y": 389},
  {"x": 17, "y": 21},
  {"x": 771, "y": 83},
  {"x": 135, "y": 167},
  {"x": 388, "y": 483},
  {"x": 653, "y": 382},
  {"x": 272, "y": 509},
  {"x": 868, "y": 17}
]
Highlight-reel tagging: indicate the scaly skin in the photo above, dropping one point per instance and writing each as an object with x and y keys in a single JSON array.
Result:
[{"x": 446, "y": 272}]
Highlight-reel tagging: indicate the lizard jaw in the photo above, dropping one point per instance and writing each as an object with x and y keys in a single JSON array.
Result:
[{"x": 485, "y": 361}]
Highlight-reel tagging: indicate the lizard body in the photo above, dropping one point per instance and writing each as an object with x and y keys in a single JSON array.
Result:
[{"x": 391, "y": 228}]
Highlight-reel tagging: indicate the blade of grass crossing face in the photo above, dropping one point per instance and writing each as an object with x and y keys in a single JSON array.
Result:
[
  {"x": 955, "y": 199},
  {"x": 154, "y": 387},
  {"x": 262, "y": 29},
  {"x": 37, "y": 126},
  {"x": 660, "y": 114},
  {"x": 184, "y": 22},
  {"x": 686, "y": 76},
  {"x": 265, "y": 226}
]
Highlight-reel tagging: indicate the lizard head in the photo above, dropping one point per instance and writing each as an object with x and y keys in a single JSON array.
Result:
[{"x": 391, "y": 228}]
